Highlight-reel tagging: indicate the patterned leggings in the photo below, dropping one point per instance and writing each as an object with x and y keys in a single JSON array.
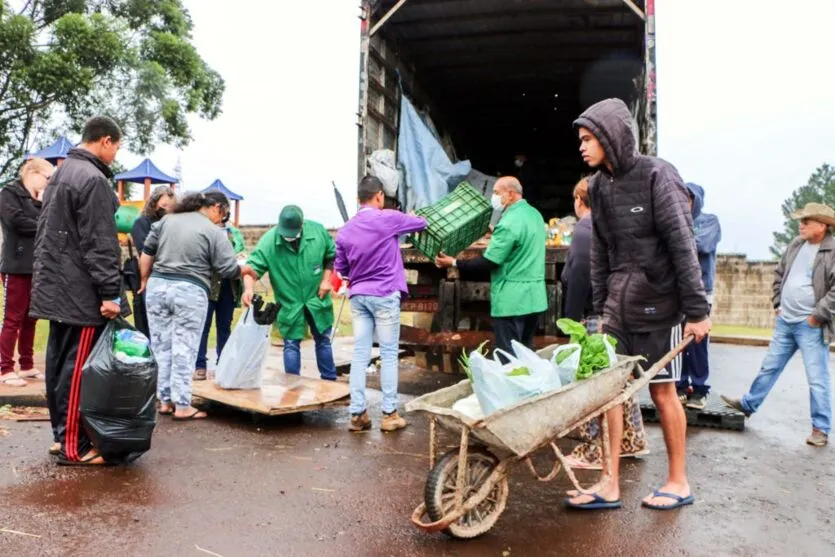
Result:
[
  {"x": 634, "y": 437},
  {"x": 176, "y": 314}
]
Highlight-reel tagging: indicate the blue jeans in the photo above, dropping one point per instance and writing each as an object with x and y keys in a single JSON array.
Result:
[
  {"x": 788, "y": 338},
  {"x": 324, "y": 352},
  {"x": 370, "y": 314},
  {"x": 223, "y": 311}
]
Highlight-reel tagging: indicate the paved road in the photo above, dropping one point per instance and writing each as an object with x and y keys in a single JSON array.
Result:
[{"x": 301, "y": 486}]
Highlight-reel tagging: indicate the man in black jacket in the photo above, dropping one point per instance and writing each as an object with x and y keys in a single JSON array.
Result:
[
  {"x": 645, "y": 278},
  {"x": 77, "y": 279}
]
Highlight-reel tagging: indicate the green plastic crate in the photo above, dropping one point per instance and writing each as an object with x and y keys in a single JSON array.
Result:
[{"x": 455, "y": 222}]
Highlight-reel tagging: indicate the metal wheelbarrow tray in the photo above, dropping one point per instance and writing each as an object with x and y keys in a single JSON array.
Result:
[{"x": 466, "y": 490}]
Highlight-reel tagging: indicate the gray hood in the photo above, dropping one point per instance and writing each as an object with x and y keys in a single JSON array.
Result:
[{"x": 611, "y": 123}]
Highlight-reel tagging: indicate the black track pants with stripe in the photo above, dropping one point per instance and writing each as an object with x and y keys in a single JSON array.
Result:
[{"x": 68, "y": 347}]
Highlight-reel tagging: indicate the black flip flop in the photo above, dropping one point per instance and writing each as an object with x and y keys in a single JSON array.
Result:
[{"x": 190, "y": 417}]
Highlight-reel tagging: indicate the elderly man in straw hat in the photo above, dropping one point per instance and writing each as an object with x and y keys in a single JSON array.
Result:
[{"x": 804, "y": 302}]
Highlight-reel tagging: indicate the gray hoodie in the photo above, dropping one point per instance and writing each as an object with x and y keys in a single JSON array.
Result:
[
  {"x": 188, "y": 247},
  {"x": 645, "y": 273}
]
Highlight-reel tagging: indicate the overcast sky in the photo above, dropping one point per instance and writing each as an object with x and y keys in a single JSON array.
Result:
[{"x": 744, "y": 100}]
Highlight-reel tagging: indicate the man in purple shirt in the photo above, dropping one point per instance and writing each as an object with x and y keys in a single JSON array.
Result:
[{"x": 368, "y": 257}]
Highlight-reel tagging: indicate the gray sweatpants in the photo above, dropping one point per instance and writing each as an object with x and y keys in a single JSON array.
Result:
[{"x": 176, "y": 315}]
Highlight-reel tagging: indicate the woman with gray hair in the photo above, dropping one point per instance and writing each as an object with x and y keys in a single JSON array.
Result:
[{"x": 160, "y": 203}]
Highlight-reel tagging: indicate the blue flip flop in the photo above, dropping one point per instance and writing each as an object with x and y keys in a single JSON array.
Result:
[
  {"x": 597, "y": 503},
  {"x": 679, "y": 501}
]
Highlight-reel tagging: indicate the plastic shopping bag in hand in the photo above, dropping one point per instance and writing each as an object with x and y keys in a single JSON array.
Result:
[
  {"x": 244, "y": 355},
  {"x": 118, "y": 397}
]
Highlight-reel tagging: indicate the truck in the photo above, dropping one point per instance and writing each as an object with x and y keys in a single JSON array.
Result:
[{"x": 499, "y": 79}]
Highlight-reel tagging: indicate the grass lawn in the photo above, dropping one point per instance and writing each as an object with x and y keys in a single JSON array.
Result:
[{"x": 739, "y": 331}]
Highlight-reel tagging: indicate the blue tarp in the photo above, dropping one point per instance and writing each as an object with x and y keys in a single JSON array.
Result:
[
  {"x": 146, "y": 169},
  {"x": 217, "y": 185},
  {"x": 429, "y": 173},
  {"x": 54, "y": 152}
]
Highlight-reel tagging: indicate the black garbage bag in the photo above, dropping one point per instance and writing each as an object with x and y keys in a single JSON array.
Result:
[{"x": 118, "y": 399}]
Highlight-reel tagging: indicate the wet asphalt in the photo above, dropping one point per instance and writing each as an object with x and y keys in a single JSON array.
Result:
[{"x": 302, "y": 486}]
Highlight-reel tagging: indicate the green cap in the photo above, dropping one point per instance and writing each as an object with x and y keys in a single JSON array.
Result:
[{"x": 290, "y": 221}]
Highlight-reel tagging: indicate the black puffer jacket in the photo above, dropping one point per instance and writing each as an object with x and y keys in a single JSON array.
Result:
[
  {"x": 644, "y": 268},
  {"x": 19, "y": 219},
  {"x": 77, "y": 255}
]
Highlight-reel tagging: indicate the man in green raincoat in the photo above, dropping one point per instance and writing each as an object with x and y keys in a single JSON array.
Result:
[
  {"x": 515, "y": 258},
  {"x": 298, "y": 254}
]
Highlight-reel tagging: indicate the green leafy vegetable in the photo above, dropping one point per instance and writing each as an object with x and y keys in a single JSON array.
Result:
[
  {"x": 577, "y": 331},
  {"x": 464, "y": 360},
  {"x": 593, "y": 356},
  {"x": 563, "y": 355},
  {"x": 519, "y": 371}
]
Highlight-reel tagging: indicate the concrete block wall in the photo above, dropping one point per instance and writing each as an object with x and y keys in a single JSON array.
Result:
[{"x": 742, "y": 293}]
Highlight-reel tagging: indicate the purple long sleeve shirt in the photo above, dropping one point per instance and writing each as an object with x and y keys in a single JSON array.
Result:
[{"x": 368, "y": 251}]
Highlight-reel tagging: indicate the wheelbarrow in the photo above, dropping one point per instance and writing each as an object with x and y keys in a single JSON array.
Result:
[{"x": 466, "y": 490}]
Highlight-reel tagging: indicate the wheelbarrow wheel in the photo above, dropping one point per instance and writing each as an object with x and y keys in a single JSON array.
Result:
[{"x": 440, "y": 492}]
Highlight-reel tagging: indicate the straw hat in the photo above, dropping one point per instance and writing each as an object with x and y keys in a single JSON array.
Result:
[{"x": 816, "y": 211}]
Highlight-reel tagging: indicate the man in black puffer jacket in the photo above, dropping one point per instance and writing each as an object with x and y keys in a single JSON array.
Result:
[
  {"x": 77, "y": 279},
  {"x": 646, "y": 279}
]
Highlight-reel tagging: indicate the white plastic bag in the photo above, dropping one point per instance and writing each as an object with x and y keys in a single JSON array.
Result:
[
  {"x": 244, "y": 355},
  {"x": 384, "y": 167},
  {"x": 469, "y": 406},
  {"x": 544, "y": 370},
  {"x": 567, "y": 370},
  {"x": 496, "y": 389}
]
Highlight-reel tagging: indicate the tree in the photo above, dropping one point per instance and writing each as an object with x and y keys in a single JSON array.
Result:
[
  {"x": 62, "y": 61},
  {"x": 819, "y": 189}
]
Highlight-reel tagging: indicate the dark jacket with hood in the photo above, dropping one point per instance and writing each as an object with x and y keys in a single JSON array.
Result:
[
  {"x": 77, "y": 255},
  {"x": 19, "y": 220},
  {"x": 576, "y": 275},
  {"x": 708, "y": 233},
  {"x": 645, "y": 273}
]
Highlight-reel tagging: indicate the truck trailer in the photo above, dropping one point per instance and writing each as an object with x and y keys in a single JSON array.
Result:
[{"x": 501, "y": 78}]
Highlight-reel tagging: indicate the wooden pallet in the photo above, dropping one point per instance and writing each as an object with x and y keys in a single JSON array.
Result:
[
  {"x": 715, "y": 414},
  {"x": 283, "y": 394}
]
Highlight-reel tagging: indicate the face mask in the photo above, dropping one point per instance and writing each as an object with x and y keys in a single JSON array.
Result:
[
  {"x": 518, "y": 163},
  {"x": 160, "y": 213},
  {"x": 496, "y": 202},
  {"x": 293, "y": 239}
]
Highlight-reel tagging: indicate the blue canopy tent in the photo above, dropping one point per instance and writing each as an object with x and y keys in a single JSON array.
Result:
[
  {"x": 146, "y": 173},
  {"x": 218, "y": 186},
  {"x": 55, "y": 153}
]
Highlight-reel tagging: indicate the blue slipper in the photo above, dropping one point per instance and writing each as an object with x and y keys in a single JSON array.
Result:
[
  {"x": 679, "y": 501},
  {"x": 597, "y": 503}
]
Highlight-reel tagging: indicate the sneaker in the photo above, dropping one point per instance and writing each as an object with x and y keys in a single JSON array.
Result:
[
  {"x": 360, "y": 422},
  {"x": 12, "y": 379},
  {"x": 697, "y": 401},
  {"x": 393, "y": 422},
  {"x": 818, "y": 438},
  {"x": 682, "y": 396},
  {"x": 736, "y": 404},
  {"x": 199, "y": 374}
]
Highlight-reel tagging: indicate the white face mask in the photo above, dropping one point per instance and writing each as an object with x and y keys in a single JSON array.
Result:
[
  {"x": 286, "y": 239},
  {"x": 518, "y": 163},
  {"x": 496, "y": 202}
]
